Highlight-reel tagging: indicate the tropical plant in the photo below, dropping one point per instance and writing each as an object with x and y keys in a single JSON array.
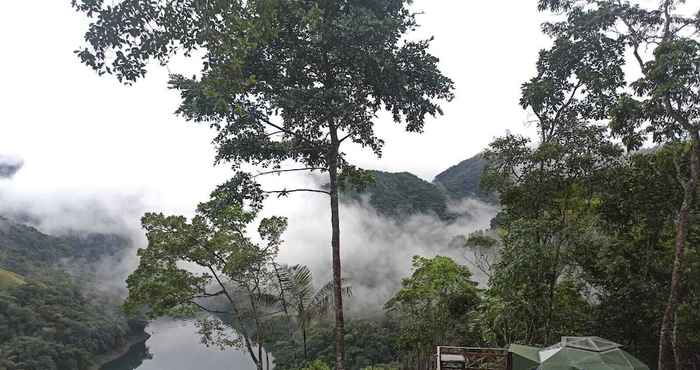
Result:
[
  {"x": 188, "y": 265},
  {"x": 308, "y": 304},
  {"x": 281, "y": 80},
  {"x": 434, "y": 306},
  {"x": 662, "y": 105}
]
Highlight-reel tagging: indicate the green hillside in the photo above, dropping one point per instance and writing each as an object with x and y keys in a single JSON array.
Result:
[
  {"x": 25, "y": 250},
  {"x": 9, "y": 279},
  {"x": 50, "y": 319},
  {"x": 398, "y": 195},
  {"x": 463, "y": 180}
]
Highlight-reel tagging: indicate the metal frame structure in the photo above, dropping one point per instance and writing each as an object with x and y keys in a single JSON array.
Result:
[{"x": 473, "y": 358}]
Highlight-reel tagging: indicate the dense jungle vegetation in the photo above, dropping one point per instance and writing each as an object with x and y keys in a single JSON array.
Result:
[
  {"x": 51, "y": 315},
  {"x": 597, "y": 233}
]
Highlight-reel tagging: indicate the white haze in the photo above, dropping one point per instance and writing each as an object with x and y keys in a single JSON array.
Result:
[{"x": 376, "y": 250}]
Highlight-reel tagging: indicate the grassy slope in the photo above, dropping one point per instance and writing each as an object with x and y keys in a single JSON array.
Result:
[{"x": 9, "y": 279}]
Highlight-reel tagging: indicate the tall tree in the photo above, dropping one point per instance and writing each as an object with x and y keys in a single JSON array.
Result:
[
  {"x": 433, "y": 307},
  {"x": 189, "y": 265},
  {"x": 543, "y": 184},
  {"x": 662, "y": 105},
  {"x": 281, "y": 79}
]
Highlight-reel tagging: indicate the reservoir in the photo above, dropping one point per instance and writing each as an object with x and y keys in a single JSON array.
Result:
[{"x": 175, "y": 345}]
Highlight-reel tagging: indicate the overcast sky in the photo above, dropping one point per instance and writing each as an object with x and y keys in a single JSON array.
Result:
[{"x": 83, "y": 134}]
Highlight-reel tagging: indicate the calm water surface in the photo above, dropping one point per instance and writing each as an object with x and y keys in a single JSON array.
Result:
[{"x": 175, "y": 345}]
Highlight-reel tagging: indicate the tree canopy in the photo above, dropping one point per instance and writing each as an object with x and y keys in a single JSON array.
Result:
[{"x": 280, "y": 80}]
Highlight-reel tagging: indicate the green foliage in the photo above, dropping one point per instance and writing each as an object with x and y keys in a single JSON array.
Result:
[
  {"x": 317, "y": 365},
  {"x": 281, "y": 80},
  {"x": 558, "y": 194},
  {"x": 189, "y": 264},
  {"x": 302, "y": 304},
  {"x": 57, "y": 326},
  {"x": 400, "y": 195},
  {"x": 26, "y": 251},
  {"x": 368, "y": 344},
  {"x": 49, "y": 319},
  {"x": 435, "y": 305},
  {"x": 320, "y": 66},
  {"x": 9, "y": 279},
  {"x": 463, "y": 180},
  {"x": 630, "y": 269}
]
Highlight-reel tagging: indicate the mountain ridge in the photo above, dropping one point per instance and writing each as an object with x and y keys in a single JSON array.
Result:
[{"x": 398, "y": 195}]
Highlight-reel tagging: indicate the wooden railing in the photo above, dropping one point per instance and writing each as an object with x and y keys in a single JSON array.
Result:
[{"x": 476, "y": 358}]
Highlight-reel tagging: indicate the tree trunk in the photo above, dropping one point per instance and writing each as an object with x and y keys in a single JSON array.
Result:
[
  {"x": 666, "y": 347},
  {"x": 303, "y": 335},
  {"x": 335, "y": 245},
  {"x": 285, "y": 308},
  {"x": 260, "y": 361}
]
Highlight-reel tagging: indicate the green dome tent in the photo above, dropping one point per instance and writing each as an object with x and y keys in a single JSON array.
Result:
[
  {"x": 579, "y": 353},
  {"x": 524, "y": 357}
]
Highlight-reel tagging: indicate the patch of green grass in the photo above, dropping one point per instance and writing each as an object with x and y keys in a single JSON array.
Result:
[{"x": 9, "y": 279}]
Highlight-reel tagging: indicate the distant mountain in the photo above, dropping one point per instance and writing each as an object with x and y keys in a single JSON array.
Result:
[
  {"x": 463, "y": 180},
  {"x": 24, "y": 249},
  {"x": 51, "y": 319},
  {"x": 398, "y": 195}
]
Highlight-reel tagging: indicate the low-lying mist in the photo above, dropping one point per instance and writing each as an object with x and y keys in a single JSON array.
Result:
[{"x": 376, "y": 250}]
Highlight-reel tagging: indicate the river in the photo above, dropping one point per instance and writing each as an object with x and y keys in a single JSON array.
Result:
[{"x": 175, "y": 345}]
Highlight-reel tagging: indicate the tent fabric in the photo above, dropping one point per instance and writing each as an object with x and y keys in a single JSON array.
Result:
[
  {"x": 589, "y": 343},
  {"x": 576, "y": 353},
  {"x": 576, "y": 359},
  {"x": 524, "y": 357}
]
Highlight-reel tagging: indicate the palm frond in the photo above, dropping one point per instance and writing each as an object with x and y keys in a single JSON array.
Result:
[
  {"x": 267, "y": 300},
  {"x": 324, "y": 299}
]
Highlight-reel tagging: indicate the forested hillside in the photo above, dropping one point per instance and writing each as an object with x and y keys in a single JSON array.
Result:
[
  {"x": 398, "y": 195},
  {"x": 464, "y": 180},
  {"x": 594, "y": 237},
  {"x": 51, "y": 318}
]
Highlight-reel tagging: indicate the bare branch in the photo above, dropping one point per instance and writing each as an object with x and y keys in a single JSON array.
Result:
[
  {"x": 568, "y": 102},
  {"x": 289, "y": 170},
  {"x": 209, "y": 295},
  {"x": 203, "y": 308},
  {"x": 282, "y": 129},
  {"x": 285, "y": 191},
  {"x": 345, "y": 138},
  {"x": 274, "y": 133}
]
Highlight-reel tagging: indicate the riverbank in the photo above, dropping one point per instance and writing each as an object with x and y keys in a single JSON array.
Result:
[{"x": 106, "y": 358}]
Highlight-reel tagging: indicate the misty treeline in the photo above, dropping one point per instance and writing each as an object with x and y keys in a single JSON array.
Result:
[
  {"x": 51, "y": 316},
  {"x": 596, "y": 236}
]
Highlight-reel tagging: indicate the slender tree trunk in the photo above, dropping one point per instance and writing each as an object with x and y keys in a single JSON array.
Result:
[
  {"x": 666, "y": 347},
  {"x": 243, "y": 332},
  {"x": 674, "y": 341},
  {"x": 303, "y": 335},
  {"x": 285, "y": 304},
  {"x": 260, "y": 354},
  {"x": 249, "y": 347},
  {"x": 267, "y": 360},
  {"x": 335, "y": 245}
]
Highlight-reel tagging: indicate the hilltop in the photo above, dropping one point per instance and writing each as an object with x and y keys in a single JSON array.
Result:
[{"x": 399, "y": 195}]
